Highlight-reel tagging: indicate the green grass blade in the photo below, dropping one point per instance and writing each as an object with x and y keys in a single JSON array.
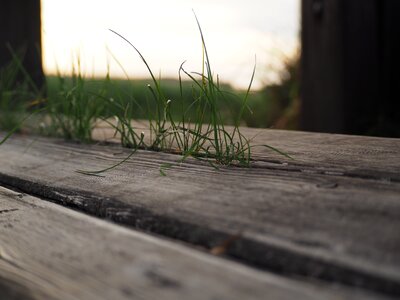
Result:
[{"x": 98, "y": 172}]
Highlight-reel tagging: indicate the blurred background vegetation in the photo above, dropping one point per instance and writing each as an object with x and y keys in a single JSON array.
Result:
[{"x": 276, "y": 105}]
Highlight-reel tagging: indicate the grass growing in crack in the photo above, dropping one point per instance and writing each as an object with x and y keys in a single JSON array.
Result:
[
  {"x": 198, "y": 132},
  {"x": 73, "y": 111},
  {"x": 215, "y": 141},
  {"x": 205, "y": 137}
]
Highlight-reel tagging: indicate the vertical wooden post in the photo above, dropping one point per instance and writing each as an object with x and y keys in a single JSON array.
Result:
[
  {"x": 20, "y": 27},
  {"x": 321, "y": 87},
  {"x": 346, "y": 50},
  {"x": 389, "y": 109}
]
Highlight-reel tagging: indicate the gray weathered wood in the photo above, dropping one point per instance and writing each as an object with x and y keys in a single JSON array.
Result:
[
  {"x": 345, "y": 155},
  {"x": 50, "y": 252},
  {"x": 356, "y": 156},
  {"x": 311, "y": 216}
]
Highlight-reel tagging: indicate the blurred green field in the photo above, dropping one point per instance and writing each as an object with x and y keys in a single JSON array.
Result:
[
  {"x": 274, "y": 106},
  {"x": 139, "y": 96}
]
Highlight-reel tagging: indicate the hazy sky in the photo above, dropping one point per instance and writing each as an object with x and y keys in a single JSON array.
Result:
[{"x": 166, "y": 33}]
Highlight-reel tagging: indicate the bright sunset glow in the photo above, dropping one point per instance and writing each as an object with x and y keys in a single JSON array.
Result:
[{"x": 166, "y": 33}]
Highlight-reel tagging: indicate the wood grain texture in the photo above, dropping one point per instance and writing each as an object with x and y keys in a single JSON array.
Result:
[
  {"x": 50, "y": 252},
  {"x": 327, "y": 215},
  {"x": 354, "y": 156},
  {"x": 344, "y": 155}
]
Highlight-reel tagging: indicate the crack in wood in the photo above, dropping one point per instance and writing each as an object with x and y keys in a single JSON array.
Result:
[
  {"x": 3, "y": 211},
  {"x": 299, "y": 168}
]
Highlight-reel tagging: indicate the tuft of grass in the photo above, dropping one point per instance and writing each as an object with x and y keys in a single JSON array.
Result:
[
  {"x": 73, "y": 111},
  {"x": 75, "y": 107},
  {"x": 203, "y": 137}
]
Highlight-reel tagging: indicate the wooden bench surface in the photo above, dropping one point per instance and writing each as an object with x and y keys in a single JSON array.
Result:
[{"x": 332, "y": 213}]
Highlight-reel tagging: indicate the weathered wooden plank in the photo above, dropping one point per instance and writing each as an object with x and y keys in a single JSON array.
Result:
[
  {"x": 50, "y": 252},
  {"x": 346, "y": 155},
  {"x": 320, "y": 224},
  {"x": 354, "y": 156}
]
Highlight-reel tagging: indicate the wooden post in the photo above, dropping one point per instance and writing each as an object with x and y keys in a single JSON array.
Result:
[
  {"x": 350, "y": 66},
  {"x": 389, "y": 110},
  {"x": 20, "y": 27}
]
